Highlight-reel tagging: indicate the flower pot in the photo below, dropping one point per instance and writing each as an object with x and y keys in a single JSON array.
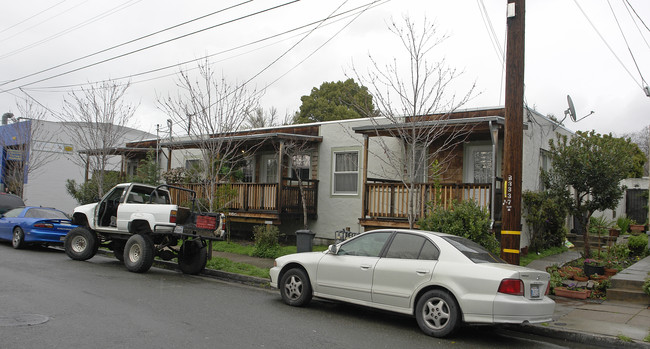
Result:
[
  {"x": 614, "y": 232},
  {"x": 610, "y": 271},
  {"x": 636, "y": 229},
  {"x": 577, "y": 294},
  {"x": 580, "y": 278},
  {"x": 599, "y": 277},
  {"x": 594, "y": 269}
]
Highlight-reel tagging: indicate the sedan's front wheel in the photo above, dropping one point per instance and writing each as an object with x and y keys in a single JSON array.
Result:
[
  {"x": 295, "y": 287},
  {"x": 437, "y": 313}
]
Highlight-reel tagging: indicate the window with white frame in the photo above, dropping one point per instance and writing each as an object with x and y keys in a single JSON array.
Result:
[
  {"x": 249, "y": 170},
  {"x": 346, "y": 172}
]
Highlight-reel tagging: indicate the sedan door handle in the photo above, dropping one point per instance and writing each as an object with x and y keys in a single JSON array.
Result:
[
  {"x": 365, "y": 266},
  {"x": 422, "y": 272}
]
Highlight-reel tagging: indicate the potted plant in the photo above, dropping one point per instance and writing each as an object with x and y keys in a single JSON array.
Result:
[
  {"x": 636, "y": 229},
  {"x": 623, "y": 223},
  {"x": 572, "y": 291},
  {"x": 580, "y": 276},
  {"x": 594, "y": 266}
]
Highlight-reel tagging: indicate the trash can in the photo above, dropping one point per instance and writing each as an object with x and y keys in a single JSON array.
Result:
[{"x": 304, "y": 240}]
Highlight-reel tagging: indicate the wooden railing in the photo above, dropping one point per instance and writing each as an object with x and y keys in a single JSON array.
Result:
[
  {"x": 390, "y": 199},
  {"x": 261, "y": 197}
]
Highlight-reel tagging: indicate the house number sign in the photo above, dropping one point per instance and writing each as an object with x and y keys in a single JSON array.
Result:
[{"x": 507, "y": 198}]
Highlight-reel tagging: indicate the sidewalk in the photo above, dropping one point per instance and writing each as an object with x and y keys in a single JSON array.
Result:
[{"x": 608, "y": 323}]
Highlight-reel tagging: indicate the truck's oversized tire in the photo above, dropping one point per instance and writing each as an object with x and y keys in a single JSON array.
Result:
[
  {"x": 192, "y": 257},
  {"x": 139, "y": 253},
  {"x": 81, "y": 244},
  {"x": 117, "y": 246}
]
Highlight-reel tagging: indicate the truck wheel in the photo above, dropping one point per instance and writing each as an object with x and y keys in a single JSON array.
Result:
[
  {"x": 138, "y": 253},
  {"x": 117, "y": 246},
  {"x": 192, "y": 257},
  {"x": 81, "y": 244}
]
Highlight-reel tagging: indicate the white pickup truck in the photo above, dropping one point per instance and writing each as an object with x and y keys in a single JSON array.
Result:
[{"x": 138, "y": 222}]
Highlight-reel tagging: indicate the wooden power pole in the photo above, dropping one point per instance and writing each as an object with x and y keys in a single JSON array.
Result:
[{"x": 513, "y": 133}]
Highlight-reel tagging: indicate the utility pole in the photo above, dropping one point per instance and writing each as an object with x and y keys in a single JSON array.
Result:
[
  {"x": 513, "y": 134},
  {"x": 169, "y": 151}
]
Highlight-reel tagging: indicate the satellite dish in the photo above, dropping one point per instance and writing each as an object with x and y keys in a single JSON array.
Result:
[{"x": 572, "y": 110}]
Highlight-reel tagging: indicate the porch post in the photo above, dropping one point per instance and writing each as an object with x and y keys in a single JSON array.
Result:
[
  {"x": 364, "y": 196},
  {"x": 279, "y": 195}
]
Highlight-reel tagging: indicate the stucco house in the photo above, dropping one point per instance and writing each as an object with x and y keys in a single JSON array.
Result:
[{"x": 345, "y": 184}]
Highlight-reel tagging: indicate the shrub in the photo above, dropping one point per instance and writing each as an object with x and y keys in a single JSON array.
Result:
[
  {"x": 266, "y": 241},
  {"x": 646, "y": 286},
  {"x": 466, "y": 219},
  {"x": 638, "y": 245},
  {"x": 546, "y": 217},
  {"x": 624, "y": 222}
]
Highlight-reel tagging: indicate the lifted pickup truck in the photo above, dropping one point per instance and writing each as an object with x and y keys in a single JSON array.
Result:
[{"x": 138, "y": 222}]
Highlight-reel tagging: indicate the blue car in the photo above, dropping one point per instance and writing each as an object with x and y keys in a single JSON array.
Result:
[{"x": 27, "y": 225}]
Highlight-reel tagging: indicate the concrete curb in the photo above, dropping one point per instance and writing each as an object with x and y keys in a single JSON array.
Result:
[{"x": 577, "y": 337}]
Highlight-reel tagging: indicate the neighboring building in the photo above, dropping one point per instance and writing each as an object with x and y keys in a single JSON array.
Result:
[
  {"x": 633, "y": 204},
  {"x": 341, "y": 193},
  {"x": 42, "y": 156}
]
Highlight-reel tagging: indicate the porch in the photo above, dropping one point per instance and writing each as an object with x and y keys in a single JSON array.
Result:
[
  {"x": 256, "y": 202},
  {"x": 386, "y": 201}
]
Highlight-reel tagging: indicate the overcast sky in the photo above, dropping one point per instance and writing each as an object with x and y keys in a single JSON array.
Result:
[{"x": 568, "y": 52}]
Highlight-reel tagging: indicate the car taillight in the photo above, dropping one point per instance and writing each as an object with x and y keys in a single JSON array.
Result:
[
  {"x": 512, "y": 286},
  {"x": 43, "y": 225},
  {"x": 172, "y": 216},
  {"x": 223, "y": 222}
]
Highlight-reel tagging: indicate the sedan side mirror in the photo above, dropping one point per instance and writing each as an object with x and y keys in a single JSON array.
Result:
[{"x": 333, "y": 249}]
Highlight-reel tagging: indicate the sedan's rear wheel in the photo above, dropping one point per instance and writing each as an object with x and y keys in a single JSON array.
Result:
[
  {"x": 437, "y": 313},
  {"x": 295, "y": 287},
  {"x": 18, "y": 240}
]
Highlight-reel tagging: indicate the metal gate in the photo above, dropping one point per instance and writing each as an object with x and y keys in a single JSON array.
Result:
[{"x": 636, "y": 205}]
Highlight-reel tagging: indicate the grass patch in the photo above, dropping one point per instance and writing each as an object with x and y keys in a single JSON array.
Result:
[
  {"x": 647, "y": 338},
  {"x": 525, "y": 260},
  {"x": 224, "y": 264},
  {"x": 624, "y": 338},
  {"x": 246, "y": 249}
]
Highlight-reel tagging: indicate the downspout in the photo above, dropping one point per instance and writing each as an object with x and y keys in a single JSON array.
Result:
[{"x": 494, "y": 135}]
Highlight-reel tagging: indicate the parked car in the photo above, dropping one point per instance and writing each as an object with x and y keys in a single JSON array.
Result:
[
  {"x": 9, "y": 201},
  {"x": 441, "y": 279},
  {"x": 28, "y": 225}
]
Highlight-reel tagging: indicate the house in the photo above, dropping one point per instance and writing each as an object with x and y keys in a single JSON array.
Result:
[
  {"x": 345, "y": 181},
  {"x": 38, "y": 157}
]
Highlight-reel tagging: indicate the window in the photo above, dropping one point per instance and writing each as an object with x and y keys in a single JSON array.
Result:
[
  {"x": 369, "y": 245},
  {"x": 478, "y": 167},
  {"x": 300, "y": 165},
  {"x": 544, "y": 166},
  {"x": 475, "y": 252},
  {"x": 249, "y": 170},
  {"x": 409, "y": 246},
  {"x": 192, "y": 164},
  {"x": 419, "y": 164},
  {"x": 346, "y": 172}
]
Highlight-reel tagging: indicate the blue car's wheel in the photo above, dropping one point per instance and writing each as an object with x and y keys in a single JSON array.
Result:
[{"x": 18, "y": 240}]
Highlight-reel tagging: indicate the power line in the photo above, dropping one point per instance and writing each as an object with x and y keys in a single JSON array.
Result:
[
  {"x": 153, "y": 45},
  {"x": 605, "y": 42},
  {"x": 626, "y": 43},
  {"x": 126, "y": 43},
  {"x": 345, "y": 14},
  {"x": 73, "y": 28},
  {"x": 33, "y": 16}
]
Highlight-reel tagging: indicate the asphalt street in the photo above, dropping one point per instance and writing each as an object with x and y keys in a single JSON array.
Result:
[{"x": 50, "y": 301}]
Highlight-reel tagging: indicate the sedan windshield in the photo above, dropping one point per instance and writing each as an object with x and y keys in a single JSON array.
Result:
[{"x": 475, "y": 252}]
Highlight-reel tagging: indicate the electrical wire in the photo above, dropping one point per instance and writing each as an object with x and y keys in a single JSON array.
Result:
[
  {"x": 627, "y": 44},
  {"x": 628, "y": 7},
  {"x": 154, "y": 45},
  {"x": 606, "y": 43},
  {"x": 127, "y": 42},
  {"x": 637, "y": 15},
  {"x": 30, "y": 17},
  {"x": 102, "y": 15}
]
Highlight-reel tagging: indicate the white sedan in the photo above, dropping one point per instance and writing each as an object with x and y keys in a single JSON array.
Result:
[{"x": 441, "y": 279}]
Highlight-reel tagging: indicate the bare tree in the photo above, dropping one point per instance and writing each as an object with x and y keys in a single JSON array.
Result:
[
  {"x": 216, "y": 108},
  {"x": 414, "y": 100},
  {"x": 259, "y": 119},
  {"x": 97, "y": 118},
  {"x": 299, "y": 154},
  {"x": 31, "y": 147}
]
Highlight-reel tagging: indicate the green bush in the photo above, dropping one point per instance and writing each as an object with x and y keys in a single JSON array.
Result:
[
  {"x": 466, "y": 219},
  {"x": 624, "y": 222},
  {"x": 646, "y": 286},
  {"x": 638, "y": 245},
  {"x": 266, "y": 241},
  {"x": 545, "y": 215}
]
